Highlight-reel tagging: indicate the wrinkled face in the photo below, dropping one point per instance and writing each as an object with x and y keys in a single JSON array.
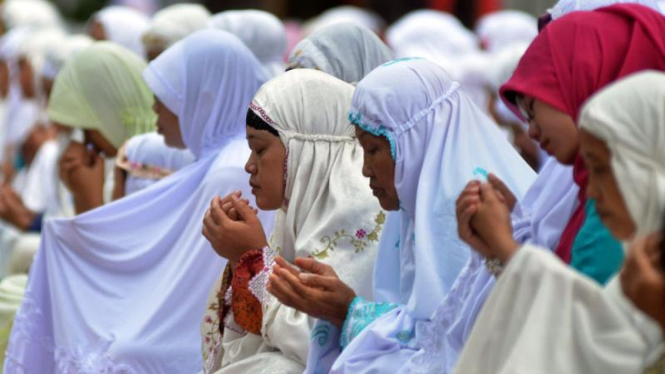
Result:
[
  {"x": 553, "y": 129},
  {"x": 603, "y": 187},
  {"x": 99, "y": 144},
  {"x": 266, "y": 166},
  {"x": 379, "y": 167},
  {"x": 27, "y": 79},
  {"x": 168, "y": 125}
]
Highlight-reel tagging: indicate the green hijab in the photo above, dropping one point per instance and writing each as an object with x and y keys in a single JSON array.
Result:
[{"x": 101, "y": 88}]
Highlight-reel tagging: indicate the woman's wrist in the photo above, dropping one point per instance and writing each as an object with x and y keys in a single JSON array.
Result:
[{"x": 343, "y": 311}]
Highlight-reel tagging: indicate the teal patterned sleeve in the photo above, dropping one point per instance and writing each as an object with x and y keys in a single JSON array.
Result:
[{"x": 360, "y": 315}]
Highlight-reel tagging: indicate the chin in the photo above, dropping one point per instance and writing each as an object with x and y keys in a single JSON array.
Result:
[{"x": 389, "y": 204}]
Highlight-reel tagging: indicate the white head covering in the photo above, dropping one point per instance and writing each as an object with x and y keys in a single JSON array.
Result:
[
  {"x": 434, "y": 35},
  {"x": 324, "y": 177},
  {"x": 564, "y": 7},
  {"x": 174, "y": 23},
  {"x": 439, "y": 141},
  {"x": 344, "y": 50},
  {"x": 149, "y": 160},
  {"x": 505, "y": 28},
  {"x": 140, "y": 266},
  {"x": 628, "y": 116},
  {"x": 30, "y": 13},
  {"x": 35, "y": 49},
  {"x": 262, "y": 33},
  {"x": 125, "y": 26},
  {"x": 346, "y": 14},
  {"x": 22, "y": 114},
  {"x": 58, "y": 55}
]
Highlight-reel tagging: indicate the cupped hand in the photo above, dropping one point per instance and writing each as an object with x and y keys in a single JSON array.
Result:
[
  {"x": 492, "y": 224},
  {"x": 504, "y": 193},
  {"x": 232, "y": 227},
  {"x": 82, "y": 172},
  {"x": 316, "y": 290}
]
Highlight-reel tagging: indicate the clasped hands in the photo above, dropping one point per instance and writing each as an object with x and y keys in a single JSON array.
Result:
[
  {"x": 483, "y": 218},
  {"x": 82, "y": 171}
]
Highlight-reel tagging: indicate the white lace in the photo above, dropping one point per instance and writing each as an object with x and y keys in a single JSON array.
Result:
[
  {"x": 430, "y": 334},
  {"x": 82, "y": 360},
  {"x": 258, "y": 284}
]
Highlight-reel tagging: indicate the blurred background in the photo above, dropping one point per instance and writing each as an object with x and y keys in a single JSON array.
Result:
[{"x": 468, "y": 11}]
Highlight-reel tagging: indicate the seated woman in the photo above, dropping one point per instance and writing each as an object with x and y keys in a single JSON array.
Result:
[
  {"x": 140, "y": 266},
  {"x": 108, "y": 117},
  {"x": 418, "y": 156},
  {"x": 306, "y": 163},
  {"x": 538, "y": 302}
]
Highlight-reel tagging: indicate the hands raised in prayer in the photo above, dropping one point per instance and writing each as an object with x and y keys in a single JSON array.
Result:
[
  {"x": 483, "y": 219},
  {"x": 12, "y": 209},
  {"x": 82, "y": 172},
  {"x": 317, "y": 290},
  {"x": 232, "y": 227},
  {"x": 643, "y": 278}
]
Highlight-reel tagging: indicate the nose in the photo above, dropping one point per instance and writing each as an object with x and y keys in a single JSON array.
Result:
[
  {"x": 534, "y": 131},
  {"x": 250, "y": 166},
  {"x": 366, "y": 169}
]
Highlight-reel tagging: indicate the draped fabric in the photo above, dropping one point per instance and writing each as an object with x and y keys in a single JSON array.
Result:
[
  {"x": 173, "y": 23},
  {"x": 124, "y": 25},
  {"x": 57, "y": 56},
  {"x": 148, "y": 160},
  {"x": 506, "y": 28},
  {"x": 344, "y": 50},
  {"x": 30, "y": 13},
  {"x": 117, "y": 103},
  {"x": 263, "y": 33},
  {"x": 563, "y": 7},
  {"x": 121, "y": 288},
  {"x": 578, "y": 55},
  {"x": 435, "y": 128}
]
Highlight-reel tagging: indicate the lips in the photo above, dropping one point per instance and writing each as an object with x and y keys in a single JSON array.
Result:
[{"x": 254, "y": 186}]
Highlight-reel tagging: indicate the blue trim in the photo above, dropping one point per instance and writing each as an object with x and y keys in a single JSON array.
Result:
[
  {"x": 356, "y": 119},
  {"x": 403, "y": 59},
  {"x": 361, "y": 314}
]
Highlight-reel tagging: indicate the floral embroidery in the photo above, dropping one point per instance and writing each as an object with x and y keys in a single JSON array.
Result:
[
  {"x": 360, "y": 315},
  {"x": 321, "y": 334},
  {"x": 360, "y": 240}
]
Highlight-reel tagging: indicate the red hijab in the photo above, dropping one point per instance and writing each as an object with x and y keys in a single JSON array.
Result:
[{"x": 577, "y": 55}]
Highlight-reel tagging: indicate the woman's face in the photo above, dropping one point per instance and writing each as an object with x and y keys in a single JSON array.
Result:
[
  {"x": 168, "y": 125},
  {"x": 603, "y": 187},
  {"x": 553, "y": 129},
  {"x": 99, "y": 144},
  {"x": 379, "y": 167},
  {"x": 96, "y": 31},
  {"x": 266, "y": 167}
]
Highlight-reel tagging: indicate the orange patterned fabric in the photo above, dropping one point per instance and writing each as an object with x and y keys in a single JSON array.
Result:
[{"x": 247, "y": 309}]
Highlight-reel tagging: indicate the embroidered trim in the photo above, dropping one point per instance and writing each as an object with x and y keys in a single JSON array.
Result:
[
  {"x": 356, "y": 119},
  {"x": 403, "y": 59},
  {"x": 262, "y": 113},
  {"x": 138, "y": 169},
  {"x": 258, "y": 284},
  {"x": 360, "y": 315},
  {"x": 360, "y": 239}
]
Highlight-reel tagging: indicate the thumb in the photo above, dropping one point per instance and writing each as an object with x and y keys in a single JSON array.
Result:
[
  {"x": 487, "y": 193},
  {"x": 243, "y": 209}
]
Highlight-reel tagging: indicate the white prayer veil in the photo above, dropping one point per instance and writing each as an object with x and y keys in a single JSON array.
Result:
[
  {"x": 57, "y": 55},
  {"x": 173, "y": 23},
  {"x": 346, "y": 14},
  {"x": 628, "y": 116},
  {"x": 506, "y": 28},
  {"x": 440, "y": 141},
  {"x": 140, "y": 268},
  {"x": 563, "y": 7},
  {"x": 344, "y": 50},
  {"x": 325, "y": 189},
  {"x": 30, "y": 13},
  {"x": 149, "y": 159},
  {"x": 125, "y": 26},
  {"x": 262, "y": 33}
]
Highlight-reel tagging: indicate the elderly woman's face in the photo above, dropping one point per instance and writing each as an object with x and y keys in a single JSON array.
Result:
[
  {"x": 266, "y": 166},
  {"x": 553, "y": 129},
  {"x": 379, "y": 167},
  {"x": 603, "y": 187},
  {"x": 168, "y": 125}
]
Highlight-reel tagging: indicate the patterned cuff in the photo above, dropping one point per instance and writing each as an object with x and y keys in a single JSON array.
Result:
[
  {"x": 249, "y": 294},
  {"x": 360, "y": 315}
]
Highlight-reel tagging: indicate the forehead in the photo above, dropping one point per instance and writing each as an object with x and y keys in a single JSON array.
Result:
[{"x": 261, "y": 135}]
